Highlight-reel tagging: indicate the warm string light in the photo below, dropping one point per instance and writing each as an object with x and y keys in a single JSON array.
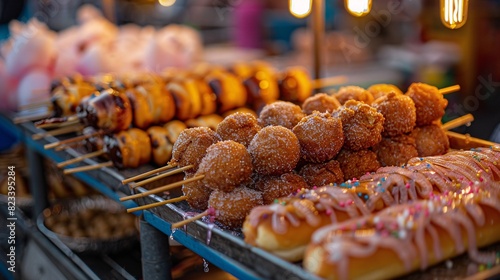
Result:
[
  {"x": 166, "y": 3},
  {"x": 358, "y": 8},
  {"x": 300, "y": 8},
  {"x": 454, "y": 13}
]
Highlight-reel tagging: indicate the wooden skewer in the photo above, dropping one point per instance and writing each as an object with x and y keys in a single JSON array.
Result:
[
  {"x": 88, "y": 167},
  {"x": 163, "y": 175},
  {"x": 328, "y": 82},
  {"x": 71, "y": 140},
  {"x": 69, "y": 121},
  {"x": 466, "y": 119},
  {"x": 58, "y": 131},
  {"x": 471, "y": 141},
  {"x": 34, "y": 105},
  {"x": 65, "y": 146},
  {"x": 30, "y": 118},
  {"x": 146, "y": 174},
  {"x": 162, "y": 189},
  {"x": 209, "y": 211},
  {"x": 80, "y": 158},
  {"x": 152, "y": 205},
  {"x": 450, "y": 89}
]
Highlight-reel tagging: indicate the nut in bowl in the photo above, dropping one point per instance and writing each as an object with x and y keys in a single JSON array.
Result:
[{"x": 89, "y": 225}]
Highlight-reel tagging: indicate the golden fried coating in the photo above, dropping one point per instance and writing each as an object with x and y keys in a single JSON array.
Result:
[
  {"x": 275, "y": 150},
  {"x": 399, "y": 113},
  {"x": 396, "y": 151},
  {"x": 225, "y": 165},
  {"x": 233, "y": 207},
  {"x": 353, "y": 93},
  {"x": 429, "y": 102},
  {"x": 320, "y": 102},
  {"x": 197, "y": 194},
  {"x": 239, "y": 127},
  {"x": 191, "y": 146},
  {"x": 362, "y": 125},
  {"x": 378, "y": 90},
  {"x": 320, "y": 136},
  {"x": 274, "y": 187},
  {"x": 281, "y": 113},
  {"x": 431, "y": 140},
  {"x": 354, "y": 164},
  {"x": 321, "y": 174}
]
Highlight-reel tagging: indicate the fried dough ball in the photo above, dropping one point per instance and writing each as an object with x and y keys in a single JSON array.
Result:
[
  {"x": 197, "y": 194},
  {"x": 429, "y": 102},
  {"x": 239, "y": 127},
  {"x": 275, "y": 150},
  {"x": 399, "y": 113},
  {"x": 320, "y": 136},
  {"x": 396, "y": 151},
  {"x": 191, "y": 146},
  {"x": 321, "y": 174},
  {"x": 353, "y": 93},
  {"x": 431, "y": 140},
  {"x": 281, "y": 113},
  {"x": 362, "y": 125},
  {"x": 378, "y": 90},
  {"x": 320, "y": 102},
  {"x": 225, "y": 165},
  {"x": 274, "y": 187},
  {"x": 233, "y": 207},
  {"x": 354, "y": 164}
]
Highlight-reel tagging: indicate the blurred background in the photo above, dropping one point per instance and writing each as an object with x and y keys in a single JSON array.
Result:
[{"x": 398, "y": 42}]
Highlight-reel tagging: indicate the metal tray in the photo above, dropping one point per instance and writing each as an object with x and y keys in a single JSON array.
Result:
[{"x": 85, "y": 244}]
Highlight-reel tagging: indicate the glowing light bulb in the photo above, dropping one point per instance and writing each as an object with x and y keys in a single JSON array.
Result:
[
  {"x": 454, "y": 13},
  {"x": 166, "y": 3},
  {"x": 358, "y": 8},
  {"x": 300, "y": 8}
]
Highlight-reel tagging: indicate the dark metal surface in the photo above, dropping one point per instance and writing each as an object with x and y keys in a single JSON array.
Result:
[{"x": 155, "y": 250}]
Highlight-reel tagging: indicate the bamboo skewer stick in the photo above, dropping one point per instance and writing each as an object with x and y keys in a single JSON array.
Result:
[
  {"x": 152, "y": 205},
  {"x": 466, "y": 119},
  {"x": 69, "y": 121},
  {"x": 88, "y": 167},
  {"x": 71, "y": 140},
  {"x": 467, "y": 139},
  {"x": 146, "y": 174},
  {"x": 56, "y": 132},
  {"x": 80, "y": 158},
  {"x": 328, "y": 82},
  {"x": 30, "y": 118},
  {"x": 163, "y": 175},
  {"x": 162, "y": 189},
  {"x": 209, "y": 212},
  {"x": 450, "y": 89},
  {"x": 65, "y": 146}
]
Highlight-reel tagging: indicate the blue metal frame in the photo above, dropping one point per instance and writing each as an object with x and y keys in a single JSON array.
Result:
[{"x": 5, "y": 273}]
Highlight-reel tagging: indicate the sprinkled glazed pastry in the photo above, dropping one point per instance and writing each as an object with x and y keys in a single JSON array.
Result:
[{"x": 285, "y": 227}]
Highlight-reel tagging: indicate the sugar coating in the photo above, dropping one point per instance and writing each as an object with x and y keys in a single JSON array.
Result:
[
  {"x": 322, "y": 174},
  {"x": 225, "y": 165},
  {"x": 232, "y": 207},
  {"x": 191, "y": 146},
  {"x": 197, "y": 193},
  {"x": 399, "y": 113},
  {"x": 347, "y": 93},
  {"x": 354, "y": 164},
  {"x": 274, "y": 187},
  {"x": 320, "y": 136},
  {"x": 239, "y": 127},
  {"x": 320, "y": 102},
  {"x": 275, "y": 150},
  {"x": 361, "y": 123},
  {"x": 431, "y": 140},
  {"x": 379, "y": 90},
  {"x": 429, "y": 103},
  {"x": 396, "y": 151},
  {"x": 281, "y": 113}
]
